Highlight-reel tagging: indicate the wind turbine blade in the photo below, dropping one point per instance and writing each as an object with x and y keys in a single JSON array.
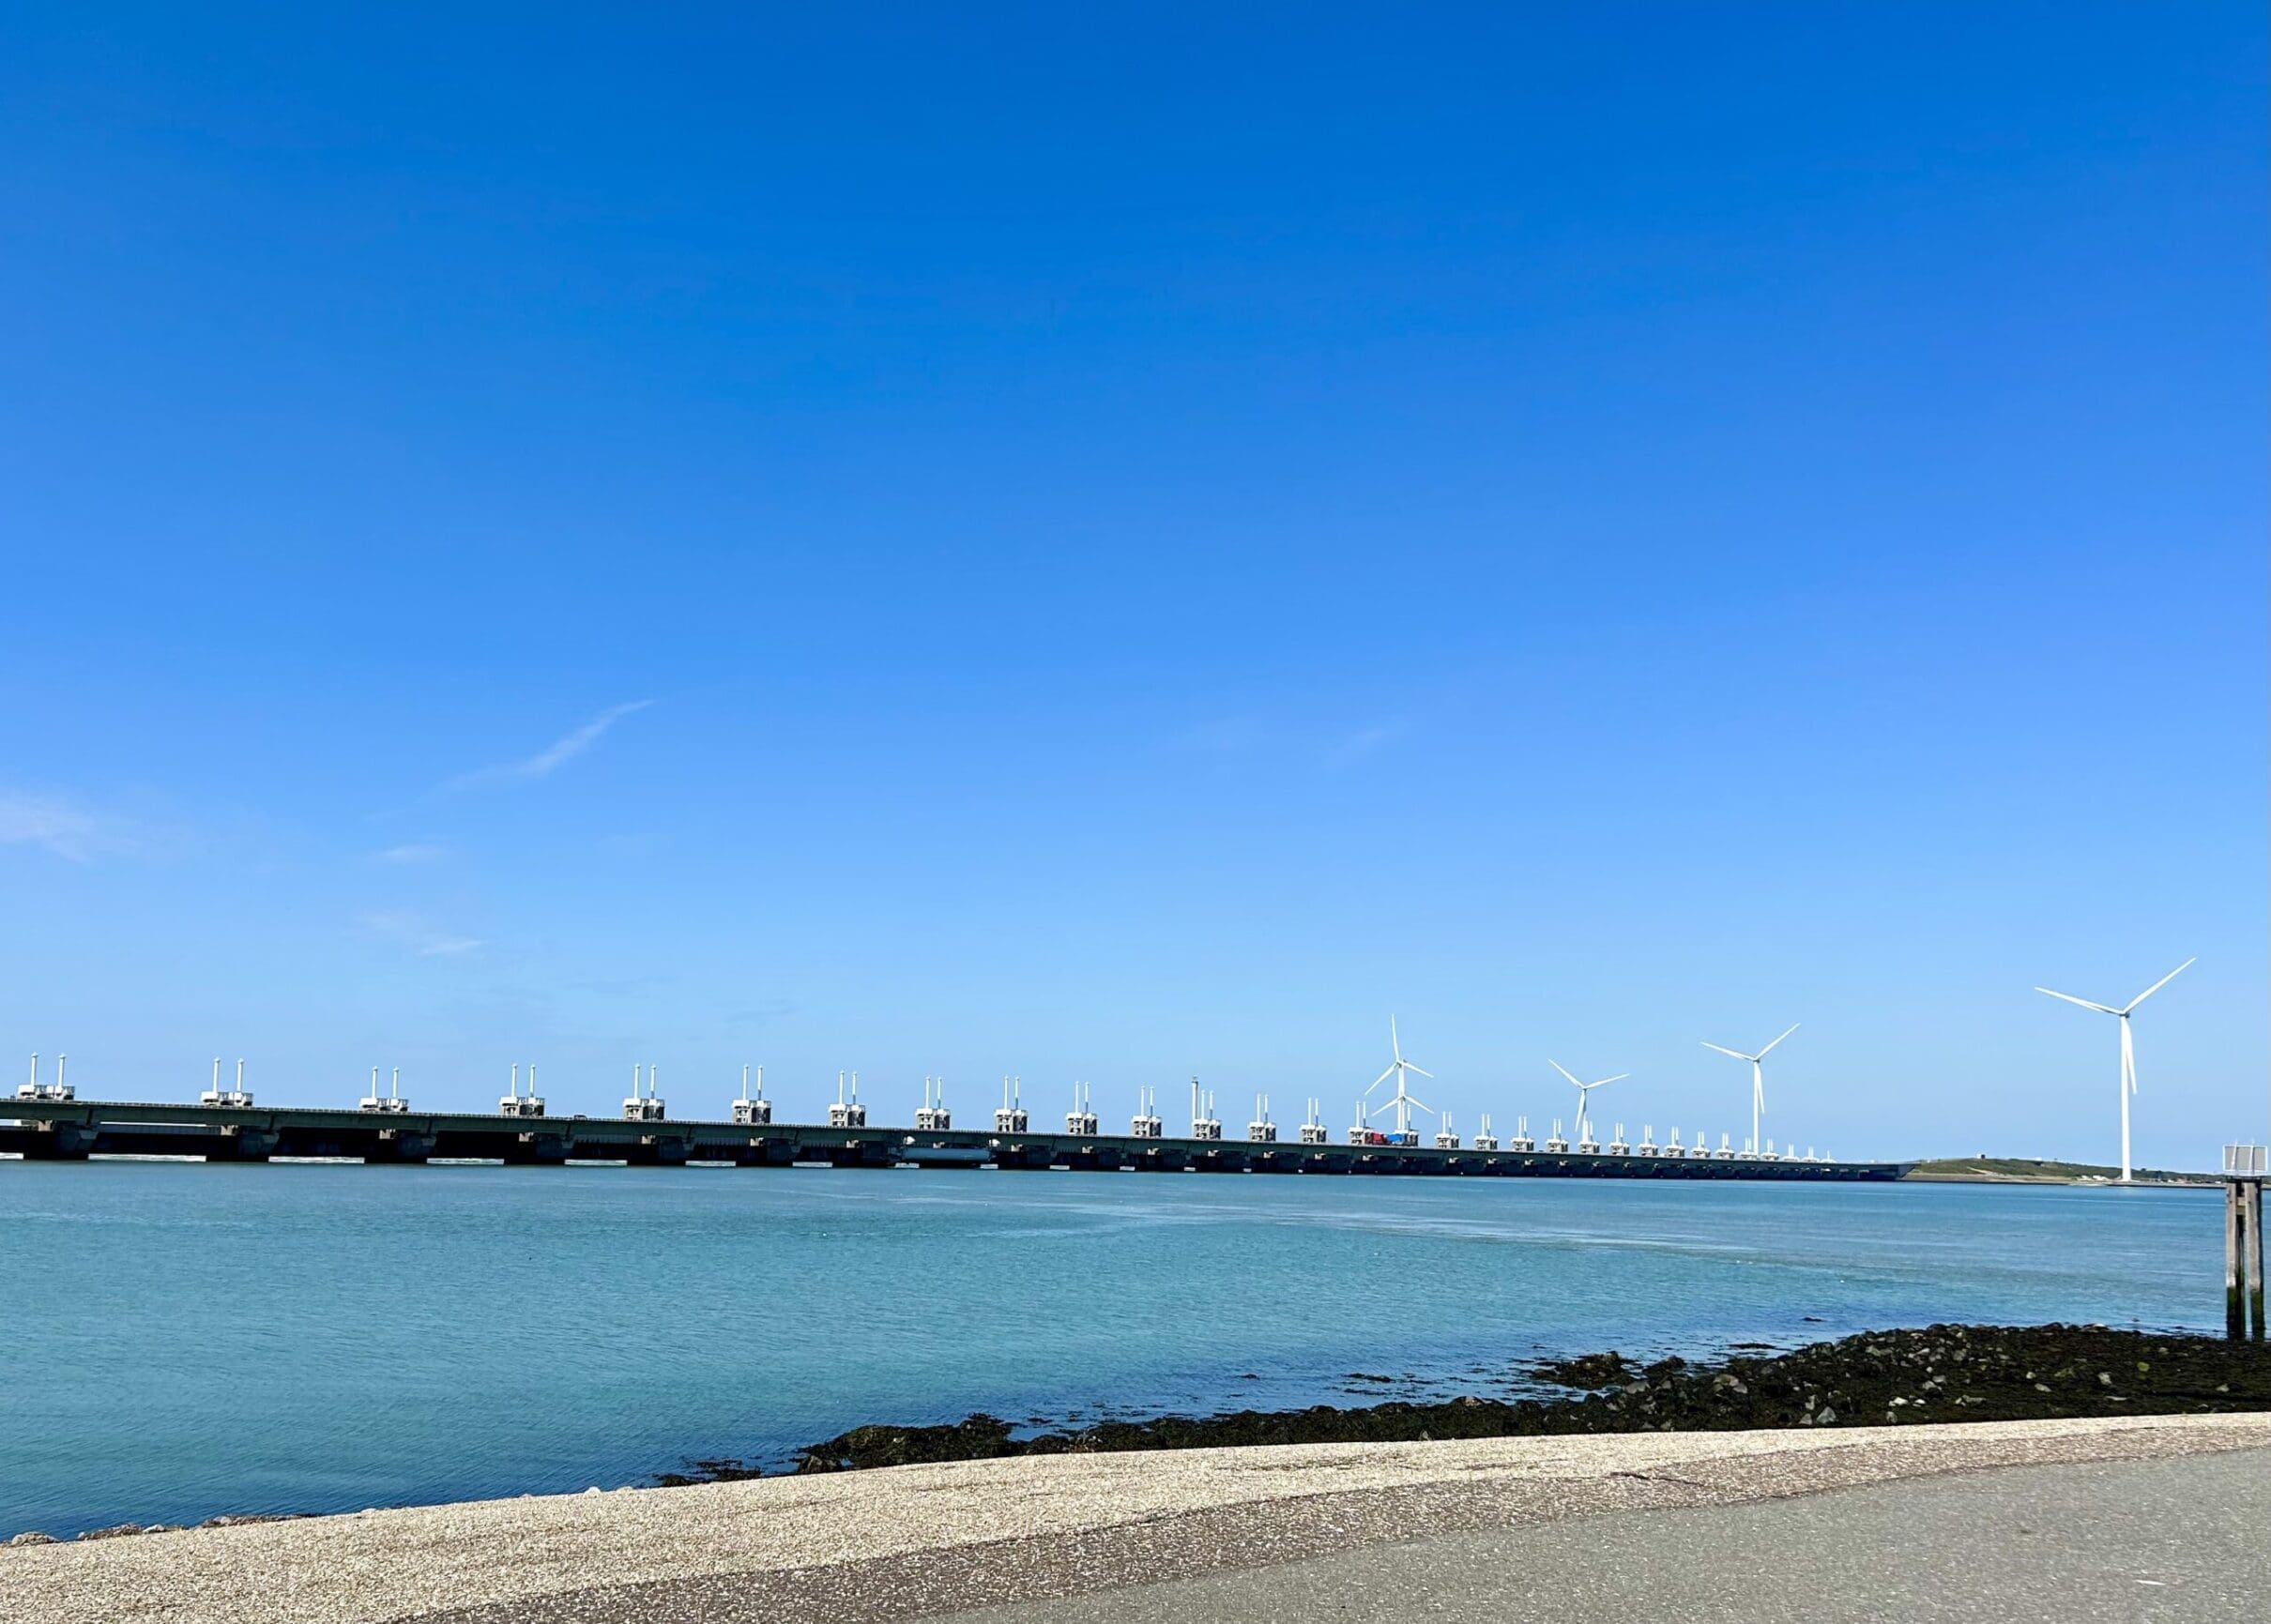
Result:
[
  {"x": 2162, "y": 982},
  {"x": 1394, "y": 1043},
  {"x": 1564, "y": 1072},
  {"x": 1420, "y": 1069},
  {"x": 2101, "y": 1008},
  {"x": 1736, "y": 1052},
  {"x": 1769, "y": 1048},
  {"x": 1382, "y": 1078},
  {"x": 1607, "y": 1081}
]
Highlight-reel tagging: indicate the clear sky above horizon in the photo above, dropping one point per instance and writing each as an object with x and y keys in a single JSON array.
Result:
[{"x": 1118, "y": 544}]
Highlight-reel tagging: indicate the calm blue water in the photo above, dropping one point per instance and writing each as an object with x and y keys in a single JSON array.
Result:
[{"x": 184, "y": 1340}]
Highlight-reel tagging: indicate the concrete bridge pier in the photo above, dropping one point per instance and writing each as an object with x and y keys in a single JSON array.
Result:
[
  {"x": 659, "y": 1151},
  {"x": 764, "y": 1153},
  {"x": 243, "y": 1145},
  {"x": 399, "y": 1147},
  {"x": 537, "y": 1150},
  {"x": 1098, "y": 1160},
  {"x": 864, "y": 1153},
  {"x": 60, "y": 1142}
]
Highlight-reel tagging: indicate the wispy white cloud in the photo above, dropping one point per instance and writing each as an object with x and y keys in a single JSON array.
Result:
[
  {"x": 62, "y": 828},
  {"x": 416, "y": 852},
  {"x": 407, "y": 929},
  {"x": 553, "y": 756}
]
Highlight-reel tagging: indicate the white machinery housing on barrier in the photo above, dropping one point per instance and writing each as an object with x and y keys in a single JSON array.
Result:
[
  {"x": 1204, "y": 1123},
  {"x": 1485, "y": 1139},
  {"x": 1521, "y": 1141},
  {"x": 1726, "y": 1152},
  {"x": 752, "y": 1110},
  {"x": 1647, "y": 1146},
  {"x": 1147, "y": 1123},
  {"x": 517, "y": 1103},
  {"x": 1261, "y": 1130},
  {"x": 1010, "y": 1119},
  {"x": 932, "y": 1116},
  {"x": 391, "y": 1103},
  {"x": 1444, "y": 1138},
  {"x": 647, "y": 1106},
  {"x": 1673, "y": 1148},
  {"x": 1313, "y": 1130},
  {"x": 59, "y": 1090},
  {"x": 1616, "y": 1141},
  {"x": 1555, "y": 1144},
  {"x": 236, "y": 1097},
  {"x": 847, "y": 1111},
  {"x": 1080, "y": 1121}
]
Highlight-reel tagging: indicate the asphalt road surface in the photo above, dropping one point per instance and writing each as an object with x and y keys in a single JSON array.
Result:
[{"x": 2175, "y": 1539}]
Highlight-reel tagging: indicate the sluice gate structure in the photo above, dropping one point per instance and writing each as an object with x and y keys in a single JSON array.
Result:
[{"x": 76, "y": 1129}]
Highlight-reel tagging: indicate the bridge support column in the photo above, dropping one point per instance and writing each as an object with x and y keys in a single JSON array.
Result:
[
  {"x": 60, "y": 1142},
  {"x": 243, "y": 1145},
  {"x": 865, "y": 1153},
  {"x": 537, "y": 1150},
  {"x": 400, "y": 1147}
]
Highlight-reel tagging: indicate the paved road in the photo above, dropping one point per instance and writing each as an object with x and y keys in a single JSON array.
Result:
[
  {"x": 2166, "y": 1540},
  {"x": 2149, "y": 1518}
]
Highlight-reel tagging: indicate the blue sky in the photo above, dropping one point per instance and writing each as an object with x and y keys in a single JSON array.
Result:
[{"x": 1125, "y": 544}]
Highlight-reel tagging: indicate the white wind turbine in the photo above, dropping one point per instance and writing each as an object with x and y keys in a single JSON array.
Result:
[
  {"x": 1401, "y": 1101},
  {"x": 1584, "y": 1089},
  {"x": 1758, "y": 1082},
  {"x": 2128, "y": 1054}
]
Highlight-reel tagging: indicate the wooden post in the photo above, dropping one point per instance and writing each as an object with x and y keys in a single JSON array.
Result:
[
  {"x": 2236, "y": 1226},
  {"x": 2253, "y": 1256}
]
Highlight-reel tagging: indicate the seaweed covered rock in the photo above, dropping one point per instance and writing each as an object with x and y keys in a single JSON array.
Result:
[
  {"x": 1596, "y": 1370},
  {"x": 975, "y": 1438},
  {"x": 1943, "y": 1373}
]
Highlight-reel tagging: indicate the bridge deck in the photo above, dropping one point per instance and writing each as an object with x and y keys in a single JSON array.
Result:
[{"x": 74, "y": 1129}]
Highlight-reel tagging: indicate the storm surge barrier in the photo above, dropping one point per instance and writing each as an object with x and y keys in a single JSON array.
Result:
[{"x": 76, "y": 1129}]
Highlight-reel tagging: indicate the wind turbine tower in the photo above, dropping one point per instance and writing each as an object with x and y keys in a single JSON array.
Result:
[
  {"x": 2128, "y": 1054},
  {"x": 1583, "y": 1090},
  {"x": 1758, "y": 1082},
  {"x": 1401, "y": 1101}
]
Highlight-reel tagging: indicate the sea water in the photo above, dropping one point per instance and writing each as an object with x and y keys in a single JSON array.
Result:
[{"x": 183, "y": 1340}]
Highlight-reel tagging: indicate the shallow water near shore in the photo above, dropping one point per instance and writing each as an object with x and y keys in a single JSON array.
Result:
[{"x": 189, "y": 1341}]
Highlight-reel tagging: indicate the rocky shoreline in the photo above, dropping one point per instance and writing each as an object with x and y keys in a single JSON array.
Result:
[{"x": 1943, "y": 1373}]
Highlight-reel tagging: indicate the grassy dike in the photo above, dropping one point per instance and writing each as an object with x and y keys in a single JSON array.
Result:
[{"x": 2034, "y": 1170}]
